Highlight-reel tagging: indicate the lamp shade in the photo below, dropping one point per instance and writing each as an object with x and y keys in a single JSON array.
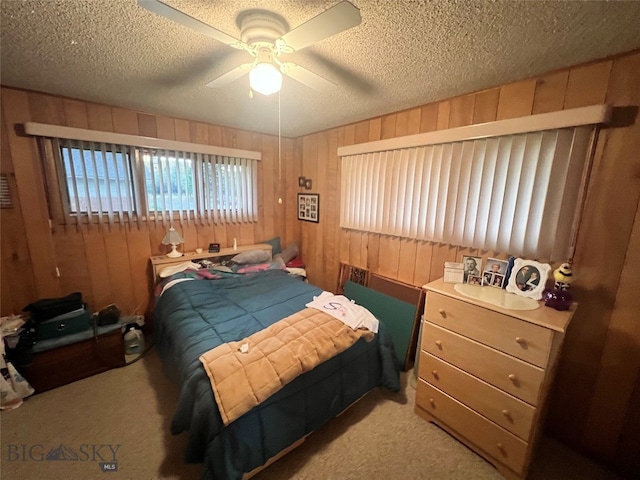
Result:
[
  {"x": 173, "y": 238},
  {"x": 265, "y": 78}
]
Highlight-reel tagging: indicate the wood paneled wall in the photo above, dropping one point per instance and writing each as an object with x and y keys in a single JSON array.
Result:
[
  {"x": 110, "y": 264},
  {"x": 596, "y": 403}
]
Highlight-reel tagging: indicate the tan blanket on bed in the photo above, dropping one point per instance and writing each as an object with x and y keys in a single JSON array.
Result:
[{"x": 274, "y": 356}]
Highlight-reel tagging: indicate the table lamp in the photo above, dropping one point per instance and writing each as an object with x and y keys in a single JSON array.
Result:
[{"x": 173, "y": 238}]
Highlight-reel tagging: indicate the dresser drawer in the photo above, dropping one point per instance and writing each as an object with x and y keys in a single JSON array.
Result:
[
  {"x": 508, "y": 373},
  {"x": 507, "y": 411},
  {"x": 526, "y": 341},
  {"x": 487, "y": 436}
]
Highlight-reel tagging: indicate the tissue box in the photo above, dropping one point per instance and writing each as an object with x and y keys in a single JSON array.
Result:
[{"x": 453, "y": 272}]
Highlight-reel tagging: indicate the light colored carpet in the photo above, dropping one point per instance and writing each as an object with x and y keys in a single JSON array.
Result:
[{"x": 130, "y": 409}]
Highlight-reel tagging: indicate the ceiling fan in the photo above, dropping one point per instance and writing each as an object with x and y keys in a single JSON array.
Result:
[{"x": 266, "y": 36}]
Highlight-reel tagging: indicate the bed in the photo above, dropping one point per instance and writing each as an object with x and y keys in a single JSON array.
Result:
[{"x": 198, "y": 310}]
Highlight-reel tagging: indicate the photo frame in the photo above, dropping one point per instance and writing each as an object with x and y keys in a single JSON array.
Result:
[
  {"x": 528, "y": 278},
  {"x": 472, "y": 269},
  {"x": 309, "y": 207},
  {"x": 494, "y": 273}
]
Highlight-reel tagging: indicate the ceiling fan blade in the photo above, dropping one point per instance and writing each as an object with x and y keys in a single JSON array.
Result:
[
  {"x": 336, "y": 19},
  {"x": 344, "y": 75},
  {"x": 307, "y": 77},
  {"x": 164, "y": 10},
  {"x": 232, "y": 75}
]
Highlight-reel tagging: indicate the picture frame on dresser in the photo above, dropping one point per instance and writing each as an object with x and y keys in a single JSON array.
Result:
[
  {"x": 528, "y": 278},
  {"x": 472, "y": 268},
  {"x": 495, "y": 272}
]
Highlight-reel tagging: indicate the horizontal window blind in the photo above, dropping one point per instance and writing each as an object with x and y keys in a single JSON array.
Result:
[{"x": 516, "y": 194}]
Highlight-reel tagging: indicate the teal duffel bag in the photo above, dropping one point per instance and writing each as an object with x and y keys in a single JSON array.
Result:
[{"x": 71, "y": 322}]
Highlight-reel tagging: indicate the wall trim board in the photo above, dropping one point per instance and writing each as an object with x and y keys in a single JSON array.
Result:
[{"x": 57, "y": 131}]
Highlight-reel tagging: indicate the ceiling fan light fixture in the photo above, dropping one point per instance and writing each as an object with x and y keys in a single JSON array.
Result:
[{"x": 265, "y": 78}]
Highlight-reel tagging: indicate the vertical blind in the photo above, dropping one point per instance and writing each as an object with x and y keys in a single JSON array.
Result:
[
  {"x": 119, "y": 183},
  {"x": 516, "y": 194},
  {"x": 212, "y": 187},
  {"x": 115, "y": 177},
  {"x": 97, "y": 179}
]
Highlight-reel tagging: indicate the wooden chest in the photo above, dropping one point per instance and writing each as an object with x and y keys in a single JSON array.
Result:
[{"x": 75, "y": 361}]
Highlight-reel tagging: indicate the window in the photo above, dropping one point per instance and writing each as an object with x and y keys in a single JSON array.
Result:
[
  {"x": 117, "y": 182},
  {"x": 517, "y": 192},
  {"x": 211, "y": 186},
  {"x": 97, "y": 177}
]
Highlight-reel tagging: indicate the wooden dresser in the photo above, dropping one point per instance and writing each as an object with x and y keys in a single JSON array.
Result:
[{"x": 485, "y": 370}]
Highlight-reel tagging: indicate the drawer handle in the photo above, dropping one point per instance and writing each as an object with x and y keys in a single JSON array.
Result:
[
  {"x": 513, "y": 378},
  {"x": 434, "y": 373},
  {"x": 438, "y": 344},
  {"x": 501, "y": 448},
  {"x": 61, "y": 326},
  {"x": 522, "y": 341},
  {"x": 432, "y": 402},
  {"x": 506, "y": 413},
  {"x": 442, "y": 313}
]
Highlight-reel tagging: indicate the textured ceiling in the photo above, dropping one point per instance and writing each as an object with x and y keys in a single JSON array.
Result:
[{"x": 404, "y": 53}]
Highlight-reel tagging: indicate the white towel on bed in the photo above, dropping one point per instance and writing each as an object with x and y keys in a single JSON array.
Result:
[{"x": 340, "y": 307}]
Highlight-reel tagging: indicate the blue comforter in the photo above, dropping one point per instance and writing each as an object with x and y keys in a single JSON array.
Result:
[{"x": 197, "y": 314}]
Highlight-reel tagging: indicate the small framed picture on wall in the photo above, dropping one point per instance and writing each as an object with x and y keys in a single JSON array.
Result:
[{"x": 309, "y": 207}]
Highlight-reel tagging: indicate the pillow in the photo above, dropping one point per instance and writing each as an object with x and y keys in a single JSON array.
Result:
[
  {"x": 277, "y": 260},
  {"x": 296, "y": 262},
  {"x": 252, "y": 256},
  {"x": 276, "y": 247},
  {"x": 290, "y": 252},
  {"x": 180, "y": 267},
  {"x": 256, "y": 267},
  {"x": 222, "y": 268},
  {"x": 251, "y": 268}
]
